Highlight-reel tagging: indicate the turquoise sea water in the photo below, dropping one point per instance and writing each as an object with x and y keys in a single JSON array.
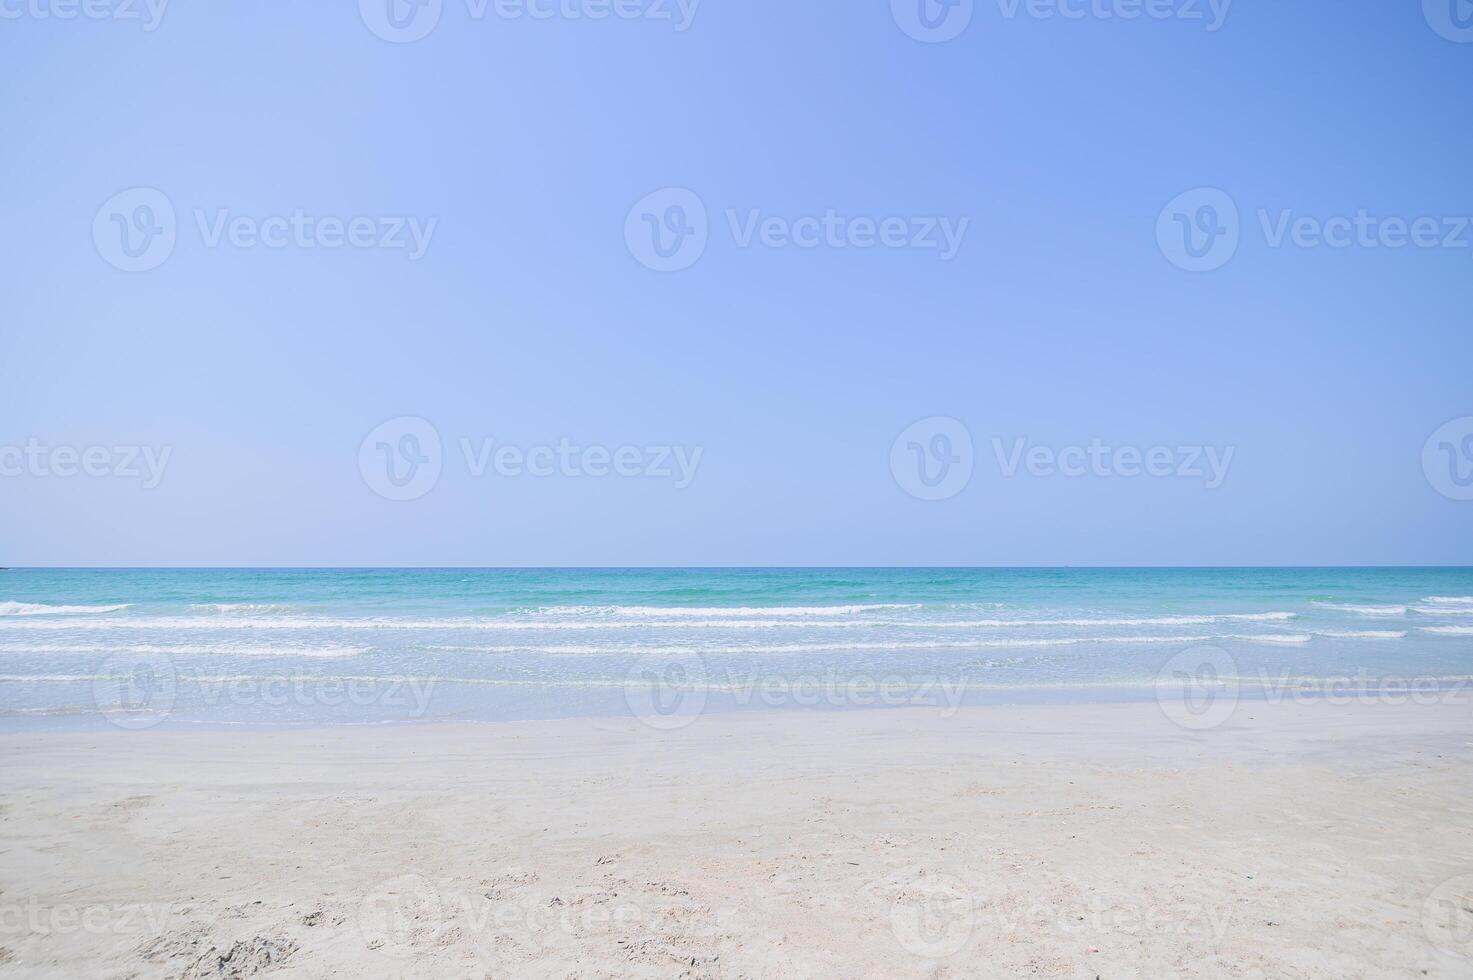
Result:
[{"x": 139, "y": 648}]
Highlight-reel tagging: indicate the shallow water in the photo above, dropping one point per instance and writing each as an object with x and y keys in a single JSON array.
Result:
[{"x": 269, "y": 647}]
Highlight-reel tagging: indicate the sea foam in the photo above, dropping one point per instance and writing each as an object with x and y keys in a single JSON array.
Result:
[
  {"x": 41, "y": 609},
  {"x": 1364, "y": 610}
]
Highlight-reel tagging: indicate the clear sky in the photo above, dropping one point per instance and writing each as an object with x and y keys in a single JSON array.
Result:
[{"x": 531, "y": 317}]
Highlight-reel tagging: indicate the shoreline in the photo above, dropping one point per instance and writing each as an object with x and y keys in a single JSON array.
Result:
[
  {"x": 382, "y": 700},
  {"x": 1139, "y": 724},
  {"x": 1065, "y": 841}
]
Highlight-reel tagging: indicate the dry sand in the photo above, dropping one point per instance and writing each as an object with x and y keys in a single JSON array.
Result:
[{"x": 1296, "y": 841}]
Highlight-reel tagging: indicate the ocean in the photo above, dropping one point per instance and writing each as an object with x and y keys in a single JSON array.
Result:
[{"x": 270, "y": 647}]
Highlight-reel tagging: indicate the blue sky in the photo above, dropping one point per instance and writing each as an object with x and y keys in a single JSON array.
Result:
[{"x": 1060, "y": 321}]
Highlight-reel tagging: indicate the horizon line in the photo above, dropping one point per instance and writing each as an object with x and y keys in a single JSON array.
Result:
[{"x": 697, "y": 568}]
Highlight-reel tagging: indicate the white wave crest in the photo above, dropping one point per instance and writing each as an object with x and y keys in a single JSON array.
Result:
[
  {"x": 41, "y": 609},
  {"x": 185, "y": 650},
  {"x": 243, "y": 608},
  {"x": 593, "y": 649},
  {"x": 712, "y": 612},
  {"x": 270, "y": 622},
  {"x": 224, "y": 623},
  {"x": 1363, "y": 634},
  {"x": 1449, "y": 630},
  {"x": 1202, "y": 620},
  {"x": 1361, "y": 610},
  {"x": 1450, "y": 600},
  {"x": 1284, "y": 638}
]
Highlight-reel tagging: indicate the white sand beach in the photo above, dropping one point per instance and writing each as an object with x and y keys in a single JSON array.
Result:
[{"x": 1300, "y": 841}]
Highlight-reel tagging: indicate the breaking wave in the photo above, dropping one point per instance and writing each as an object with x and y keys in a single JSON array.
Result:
[{"x": 41, "y": 609}]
